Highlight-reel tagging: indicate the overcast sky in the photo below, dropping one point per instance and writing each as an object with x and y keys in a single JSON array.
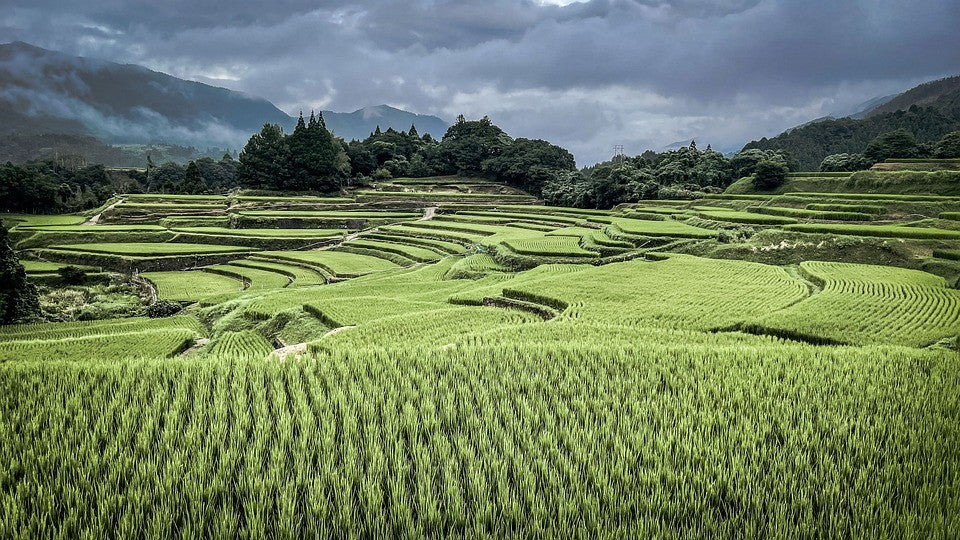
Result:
[{"x": 585, "y": 75}]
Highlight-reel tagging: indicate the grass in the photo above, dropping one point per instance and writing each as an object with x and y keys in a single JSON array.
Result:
[
  {"x": 337, "y": 263},
  {"x": 734, "y": 216},
  {"x": 242, "y": 344},
  {"x": 686, "y": 397},
  {"x": 810, "y": 214},
  {"x": 866, "y": 183},
  {"x": 441, "y": 196},
  {"x": 150, "y": 249},
  {"x": 675, "y": 229},
  {"x": 550, "y": 246},
  {"x": 302, "y": 277},
  {"x": 857, "y": 208},
  {"x": 191, "y": 286},
  {"x": 884, "y": 231},
  {"x": 332, "y": 214},
  {"x": 40, "y": 220},
  {"x": 265, "y": 233},
  {"x": 414, "y": 253},
  {"x": 863, "y": 304},
  {"x": 44, "y": 267}
]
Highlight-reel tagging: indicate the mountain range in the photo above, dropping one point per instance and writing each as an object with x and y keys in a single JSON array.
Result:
[{"x": 43, "y": 91}]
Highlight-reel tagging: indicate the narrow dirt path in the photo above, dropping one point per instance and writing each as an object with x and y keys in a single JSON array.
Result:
[
  {"x": 337, "y": 330},
  {"x": 428, "y": 213},
  {"x": 96, "y": 219},
  {"x": 290, "y": 350}
]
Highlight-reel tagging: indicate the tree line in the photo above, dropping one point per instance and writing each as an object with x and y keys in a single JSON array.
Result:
[{"x": 814, "y": 142}]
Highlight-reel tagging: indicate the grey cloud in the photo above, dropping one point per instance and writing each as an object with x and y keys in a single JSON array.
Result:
[{"x": 729, "y": 70}]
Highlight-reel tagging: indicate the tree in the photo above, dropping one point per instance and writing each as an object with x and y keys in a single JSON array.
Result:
[
  {"x": 166, "y": 178},
  {"x": 193, "y": 183},
  {"x": 315, "y": 160},
  {"x": 895, "y": 144},
  {"x": 769, "y": 174},
  {"x": 264, "y": 161},
  {"x": 949, "y": 146},
  {"x": 18, "y": 297},
  {"x": 467, "y": 144},
  {"x": 71, "y": 275},
  {"x": 845, "y": 162},
  {"x": 745, "y": 163},
  {"x": 520, "y": 163}
]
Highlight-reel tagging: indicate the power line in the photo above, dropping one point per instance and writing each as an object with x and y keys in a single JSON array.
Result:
[{"x": 618, "y": 154}]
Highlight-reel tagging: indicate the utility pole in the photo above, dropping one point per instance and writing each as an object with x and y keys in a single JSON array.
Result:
[{"x": 618, "y": 154}]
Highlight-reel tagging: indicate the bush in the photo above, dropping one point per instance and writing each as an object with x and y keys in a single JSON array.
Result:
[
  {"x": 845, "y": 163},
  {"x": 769, "y": 174},
  {"x": 163, "y": 308},
  {"x": 71, "y": 275},
  {"x": 381, "y": 174}
]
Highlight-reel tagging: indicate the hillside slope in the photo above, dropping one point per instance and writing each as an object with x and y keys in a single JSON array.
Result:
[
  {"x": 929, "y": 111},
  {"x": 43, "y": 92}
]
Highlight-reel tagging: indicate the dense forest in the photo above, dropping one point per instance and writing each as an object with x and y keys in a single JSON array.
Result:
[{"x": 311, "y": 159}]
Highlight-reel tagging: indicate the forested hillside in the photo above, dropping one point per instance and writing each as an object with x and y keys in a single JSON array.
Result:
[{"x": 929, "y": 111}]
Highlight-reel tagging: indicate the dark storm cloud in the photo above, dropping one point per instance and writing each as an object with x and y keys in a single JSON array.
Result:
[{"x": 585, "y": 74}]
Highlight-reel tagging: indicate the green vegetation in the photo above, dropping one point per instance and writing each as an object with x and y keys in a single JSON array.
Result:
[
  {"x": 244, "y": 344},
  {"x": 869, "y": 304},
  {"x": 191, "y": 286},
  {"x": 720, "y": 214},
  {"x": 550, "y": 246},
  {"x": 18, "y": 296},
  {"x": 336, "y": 263},
  {"x": 150, "y": 250},
  {"x": 857, "y": 208},
  {"x": 810, "y": 214},
  {"x": 637, "y": 227},
  {"x": 885, "y": 231},
  {"x": 484, "y": 369}
]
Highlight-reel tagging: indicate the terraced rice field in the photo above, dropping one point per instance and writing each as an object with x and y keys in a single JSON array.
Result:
[
  {"x": 550, "y": 246},
  {"x": 811, "y": 214},
  {"x": 255, "y": 278},
  {"x": 191, "y": 286},
  {"x": 337, "y": 263},
  {"x": 414, "y": 253},
  {"x": 111, "y": 340},
  {"x": 149, "y": 249},
  {"x": 743, "y": 217},
  {"x": 245, "y": 344},
  {"x": 639, "y": 227},
  {"x": 870, "y": 304},
  {"x": 264, "y": 233},
  {"x": 499, "y": 370},
  {"x": 301, "y": 276},
  {"x": 883, "y": 231}
]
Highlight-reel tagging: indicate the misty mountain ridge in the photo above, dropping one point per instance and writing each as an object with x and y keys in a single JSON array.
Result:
[{"x": 43, "y": 91}]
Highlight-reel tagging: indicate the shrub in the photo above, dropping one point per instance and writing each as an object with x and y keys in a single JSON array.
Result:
[
  {"x": 71, "y": 275},
  {"x": 381, "y": 174},
  {"x": 163, "y": 308},
  {"x": 769, "y": 174}
]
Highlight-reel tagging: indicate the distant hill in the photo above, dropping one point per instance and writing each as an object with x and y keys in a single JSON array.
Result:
[
  {"x": 44, "y": 91},
  {"x": 929, "y": 111},
  {"x": 943, "y": 95},
  {"x": 360, "y": 123},
  {"x": 47, "y": 91}
]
